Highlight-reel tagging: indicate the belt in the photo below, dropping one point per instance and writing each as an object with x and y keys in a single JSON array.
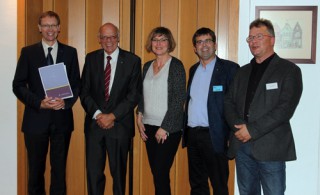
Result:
[{"x": 199, "y": 128}]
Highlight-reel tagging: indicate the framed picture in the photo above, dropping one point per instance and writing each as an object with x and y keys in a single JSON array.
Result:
[{"x": 295, "y": 31}]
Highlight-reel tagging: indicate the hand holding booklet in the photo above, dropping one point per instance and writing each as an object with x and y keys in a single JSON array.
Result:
[{"x": 55, "y": 81}]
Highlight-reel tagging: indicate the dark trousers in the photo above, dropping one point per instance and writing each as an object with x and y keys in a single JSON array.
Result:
[
  {"x": 204, "y": 163},
  {"x": 98, "y": 144},
  {"x": 161, "y": 157},
  {"x": 37, "y": 149}
]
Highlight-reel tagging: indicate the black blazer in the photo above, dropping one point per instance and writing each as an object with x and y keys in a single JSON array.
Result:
[
  {"x": 124, "y": 94},
  {"x": 222, "y": 75},
  {"x": 28, "y": 88},
  {"x": 271, "y": 109}
]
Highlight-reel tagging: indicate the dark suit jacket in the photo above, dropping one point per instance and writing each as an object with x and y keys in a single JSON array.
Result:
[
  {"x": 222, "y": 75},
  {"x": 124, "y": 93},
  {"x": 28, "y": 88},
  {"x": 274, "y": 103}
]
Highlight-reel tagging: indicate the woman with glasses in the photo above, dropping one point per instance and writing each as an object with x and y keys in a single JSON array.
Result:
[{"x": 160, "y": 111}]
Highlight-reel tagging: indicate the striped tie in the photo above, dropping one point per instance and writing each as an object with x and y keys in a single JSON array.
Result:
[{"x": 107, "y": 73}]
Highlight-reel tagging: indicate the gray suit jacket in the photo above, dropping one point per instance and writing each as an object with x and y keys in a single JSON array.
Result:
[{"x": 272, "y": 107}]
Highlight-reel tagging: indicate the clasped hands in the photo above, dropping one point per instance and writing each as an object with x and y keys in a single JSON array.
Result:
[
  {"x": 242, "y": 134},
  {"x": 105, "y": 121},
  {"x": 52, "y": 103}
]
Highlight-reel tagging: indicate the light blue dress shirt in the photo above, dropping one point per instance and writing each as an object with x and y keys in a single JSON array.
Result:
[{"x": 199, "y": 91}]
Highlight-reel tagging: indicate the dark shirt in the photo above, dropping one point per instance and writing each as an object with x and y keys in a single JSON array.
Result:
[{"x": 254, "y": 79}]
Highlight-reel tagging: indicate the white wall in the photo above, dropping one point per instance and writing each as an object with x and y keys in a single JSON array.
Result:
[
  {"x": 303, "y": 174},
  {"x": 8, "y": 102}
]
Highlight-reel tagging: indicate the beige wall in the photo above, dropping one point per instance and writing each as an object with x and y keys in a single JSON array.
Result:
[{"x": 80, "y": 20}]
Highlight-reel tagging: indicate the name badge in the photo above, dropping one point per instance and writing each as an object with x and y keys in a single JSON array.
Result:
[
  {"x": 217, "y": 88},
  {"x": 271, "y": 86}
]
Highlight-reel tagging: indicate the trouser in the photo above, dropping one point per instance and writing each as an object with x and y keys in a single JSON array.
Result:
[
  {"x": 161, "y": 157},
  {"x": 37, "y": 148}
]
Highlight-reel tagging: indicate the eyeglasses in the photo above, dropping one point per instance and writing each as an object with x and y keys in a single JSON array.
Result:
[
  {"x": 258, "y": 36},
  {"x": 49, "y": 26},
  {"x": 112, "y": 38},
  {"x": 206, "y": 41},
  {"x": 159, "y": 40}
]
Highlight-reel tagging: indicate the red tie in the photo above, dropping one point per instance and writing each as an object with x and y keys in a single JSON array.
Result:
[{"x": 107, "y": 73}]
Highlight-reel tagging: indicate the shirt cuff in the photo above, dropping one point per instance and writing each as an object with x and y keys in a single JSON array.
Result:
[{"x": 96, "y": 113}]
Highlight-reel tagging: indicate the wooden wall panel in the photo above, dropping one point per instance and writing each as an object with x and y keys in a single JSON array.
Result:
[
  {"x": 124, "y": 23},
  {"x": 76, "y": 25},
  {"x": 80, "y": 20},
  {"x": 111, "y": 11},
  {"x": 21, "y": 151},
  {"x": 170, "y": 19},
  {"x": 138, "y": 145},
  {"x": 93, "y": 22},
  {"x": 207, "y": 14},
  {"x": 62, "y": 8},
  {"x": 187, "y": 27},
  {"x": 233, "y": 15}
]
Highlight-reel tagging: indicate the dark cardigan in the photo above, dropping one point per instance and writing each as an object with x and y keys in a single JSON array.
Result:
[{"x": 173, "y": 119}]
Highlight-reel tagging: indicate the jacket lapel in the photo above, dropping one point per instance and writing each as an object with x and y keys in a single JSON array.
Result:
[
  {"x": 60, "y": 53},
  {"x": 41, "y": 55},
  {"x": 217, "y": 71}
]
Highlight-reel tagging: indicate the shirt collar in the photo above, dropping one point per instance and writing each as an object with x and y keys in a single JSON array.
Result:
[
  {"x": 46, "y": 46},
  {"x": 210, "y": 65}
]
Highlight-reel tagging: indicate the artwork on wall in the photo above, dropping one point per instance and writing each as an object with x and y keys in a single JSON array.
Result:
[{"x": 295, "y": 31}]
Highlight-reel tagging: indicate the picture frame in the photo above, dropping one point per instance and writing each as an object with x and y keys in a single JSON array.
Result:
[{"x": 295, "y": 31}]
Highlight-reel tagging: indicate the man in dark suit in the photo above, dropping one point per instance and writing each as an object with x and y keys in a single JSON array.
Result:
[
  {"x": 47, "y": 120},
  {"x": 258, "y": 106},
  {"x": 206, "y": 131},
  {"x": 109, "y": 98}
]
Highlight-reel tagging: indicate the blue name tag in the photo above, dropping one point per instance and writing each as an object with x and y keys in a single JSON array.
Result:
[{"x": 217, "y": 88}]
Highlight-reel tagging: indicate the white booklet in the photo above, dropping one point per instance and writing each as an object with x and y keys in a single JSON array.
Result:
[{"x": 55, "y": 81}]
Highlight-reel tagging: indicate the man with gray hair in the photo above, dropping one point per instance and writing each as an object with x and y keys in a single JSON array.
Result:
[
  {"x": 258, "y": 107},
  {"x": 110, "y": 90}
]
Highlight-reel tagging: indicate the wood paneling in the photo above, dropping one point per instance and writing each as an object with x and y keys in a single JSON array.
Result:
[
  {"x": 75, "y": 28},
  {"x": 80, "y": 21},
  {"x": 21, "y": 151}
]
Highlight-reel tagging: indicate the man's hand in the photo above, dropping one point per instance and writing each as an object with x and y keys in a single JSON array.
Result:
[
  {"x": 105, "y": 121},
  {"x": 242, "y": 134},
  {"x": 53, "y": 104}
]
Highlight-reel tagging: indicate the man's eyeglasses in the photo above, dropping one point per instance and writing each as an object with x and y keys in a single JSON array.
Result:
[
  {"x": 49, "y": 26},
  {"x": 206, "y": 41},
  {"x": 112, "y": 38},
  {"x": 258, "y": 36},
  {"x": 159, "y": 40}
]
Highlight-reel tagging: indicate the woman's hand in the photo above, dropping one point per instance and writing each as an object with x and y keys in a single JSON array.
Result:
[
  {"x": 141, "y": 127},
  {"x": 161, "y": 135}
]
